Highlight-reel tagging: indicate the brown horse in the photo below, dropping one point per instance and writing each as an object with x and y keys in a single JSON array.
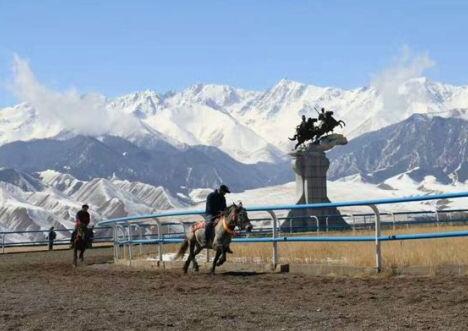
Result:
[
  {"x": 234, "y": 216},
  {"x": 80, "y": 241}
]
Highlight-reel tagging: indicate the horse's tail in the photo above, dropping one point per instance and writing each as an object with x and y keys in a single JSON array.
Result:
[{"x": 183, "y": 248}]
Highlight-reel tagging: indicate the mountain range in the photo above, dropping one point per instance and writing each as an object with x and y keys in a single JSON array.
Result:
[{"x": 166, "y": 148}]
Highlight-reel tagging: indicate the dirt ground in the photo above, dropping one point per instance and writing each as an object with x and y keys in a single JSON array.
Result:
[{"x": 42, "y": 291}]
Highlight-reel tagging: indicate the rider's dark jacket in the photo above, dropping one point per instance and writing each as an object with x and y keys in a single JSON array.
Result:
[
  {"x": 82, "y": 218},
  {"x": 215, "y": 203}
]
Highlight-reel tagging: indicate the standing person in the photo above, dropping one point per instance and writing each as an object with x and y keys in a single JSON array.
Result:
[
  {"x": 51, "y": 236},
  {"x": 215, "y": 205}
]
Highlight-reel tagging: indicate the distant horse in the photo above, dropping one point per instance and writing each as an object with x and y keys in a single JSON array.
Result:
[
  {"x": 80, "y": 241},
  {"x": 234, "y": 216}
]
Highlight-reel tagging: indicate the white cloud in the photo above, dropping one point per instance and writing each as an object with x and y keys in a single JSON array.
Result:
[
  {"x": 388, "y": 83},
  {"x": 82, "y": 114}
]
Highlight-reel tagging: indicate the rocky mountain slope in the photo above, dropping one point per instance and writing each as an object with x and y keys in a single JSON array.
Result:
[
  {"x": 178, "y": 170},
  {"x": 61, "y": 196},
  {"x": 419, "y": 146}
]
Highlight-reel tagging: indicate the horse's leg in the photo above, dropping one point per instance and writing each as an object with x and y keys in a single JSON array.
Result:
[
  {"x": 190, "y": 257},
  {"x": 215, "y": 260},
  {"x": 75, "y": 255},
  {"x": 223, "y": 258},
  {"x": 198, "y": 249},
  {"x": 81, "y": 254}
]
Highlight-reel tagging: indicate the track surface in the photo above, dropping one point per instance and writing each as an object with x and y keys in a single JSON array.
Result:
[{"x": 41, "y": 291}]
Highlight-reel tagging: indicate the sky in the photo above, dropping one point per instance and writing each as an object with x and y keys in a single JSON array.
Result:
[{"x": 117, "y": 47}]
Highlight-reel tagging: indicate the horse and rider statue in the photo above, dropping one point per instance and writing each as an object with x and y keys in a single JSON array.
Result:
[
  {"x": 310, "y": 130},
  {"x": 217, "y": 230}
]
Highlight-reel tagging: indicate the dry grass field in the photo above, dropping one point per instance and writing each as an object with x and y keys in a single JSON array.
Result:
[{"x": 429, "y": 253}]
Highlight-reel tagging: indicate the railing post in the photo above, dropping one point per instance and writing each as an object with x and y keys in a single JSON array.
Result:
[
  {"x": 394, "y": 220},
  {"x": 436, "y": 214},
  {"x": 274, "y": 234},
  {"x": 3, "y": 243},
  {"x": 317, "y": 223},
  {"x": 129, "y": 233},
  {"x": 114, "y": 240},
  {"x": 354, "y": 222},
  {"x": 160, "y": 242},
  {"x": 378, "y": 250},
  {"x": 326, "y": 223},
  {"x": 140, "y": 236}
]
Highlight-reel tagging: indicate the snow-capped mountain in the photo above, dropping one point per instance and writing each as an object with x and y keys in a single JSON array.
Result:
[
  {"x": 241, "y": 122},
  {"x": 418, "y": 146},
  {"x": 61, "y": 196},
  {"x": 250, "y": 126},
  {"x": 178, "y": 170}
]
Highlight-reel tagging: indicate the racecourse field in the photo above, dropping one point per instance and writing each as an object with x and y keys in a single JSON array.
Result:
[{"x": 42, "y": 291}]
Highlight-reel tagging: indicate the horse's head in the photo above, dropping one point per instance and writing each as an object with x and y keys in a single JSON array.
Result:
[{"x": 239, "y": 217}]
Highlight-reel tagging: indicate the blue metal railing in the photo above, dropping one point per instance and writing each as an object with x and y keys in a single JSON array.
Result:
[
  {"x": 44, "y": 241},
  {"x": 125, "y": 224},
  {"x": 292, "y": 207}
]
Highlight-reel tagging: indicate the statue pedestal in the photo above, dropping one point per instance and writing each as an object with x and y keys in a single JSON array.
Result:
[{"x": 310, "y": 166}]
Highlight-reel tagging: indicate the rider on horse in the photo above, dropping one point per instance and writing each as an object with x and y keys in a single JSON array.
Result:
[
  {"x": 215, "y": 205},
  {"x": 82, "y": 221}
]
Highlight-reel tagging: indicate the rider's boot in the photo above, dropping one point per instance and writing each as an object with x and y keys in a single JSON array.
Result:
[{"x": 209, "y": 232}]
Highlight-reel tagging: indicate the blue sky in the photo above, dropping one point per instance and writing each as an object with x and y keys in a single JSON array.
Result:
[{"x": 115, "y": 47}]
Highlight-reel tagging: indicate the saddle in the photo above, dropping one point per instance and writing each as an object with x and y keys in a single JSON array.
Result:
[{"x": 202, "y": 225}]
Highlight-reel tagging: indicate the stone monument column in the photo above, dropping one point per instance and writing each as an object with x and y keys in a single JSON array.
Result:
[{"x": 310, "y": 166}]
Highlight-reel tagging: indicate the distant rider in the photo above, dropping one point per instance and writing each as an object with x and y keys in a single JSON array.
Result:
[{"x": 81, "y": 226}]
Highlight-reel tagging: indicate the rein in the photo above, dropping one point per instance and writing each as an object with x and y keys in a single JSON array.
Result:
[{"x": 227, "y": 227}]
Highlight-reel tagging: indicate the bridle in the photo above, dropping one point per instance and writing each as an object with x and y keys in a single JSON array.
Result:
[{"x": 229, "y": 228}]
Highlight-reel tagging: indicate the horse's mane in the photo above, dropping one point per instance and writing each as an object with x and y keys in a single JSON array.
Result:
[{"x": 228, "y": 210}]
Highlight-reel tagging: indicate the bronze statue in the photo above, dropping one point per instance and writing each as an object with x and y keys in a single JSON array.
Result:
[{"x": 308, "y": 131}]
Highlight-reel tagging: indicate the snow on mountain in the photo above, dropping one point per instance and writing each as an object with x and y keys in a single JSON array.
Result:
[
  {"x": 61, "y": 196},
  {"x": 420, "y": 146},
  {"x": 397, "y": 187},
  {"x": 65, "y": 183},
  {"x": 199, "y": 116},
  {"x": 22, "y": 122},
  {"x": 99, "y": 191},
  {"x": 20, "y": 179},
  {"x": 251, "y": 126},
  {"x": 230, "y": 118},
  {"x": 139, "y": 104},
  {"x": 150, "y": 195},
  {"x": 275, "y": 114}
]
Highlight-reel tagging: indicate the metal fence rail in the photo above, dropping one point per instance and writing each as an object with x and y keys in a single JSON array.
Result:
[
  {"x": 41, "y": 242},
  {"x": 124, "y": 229}
]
